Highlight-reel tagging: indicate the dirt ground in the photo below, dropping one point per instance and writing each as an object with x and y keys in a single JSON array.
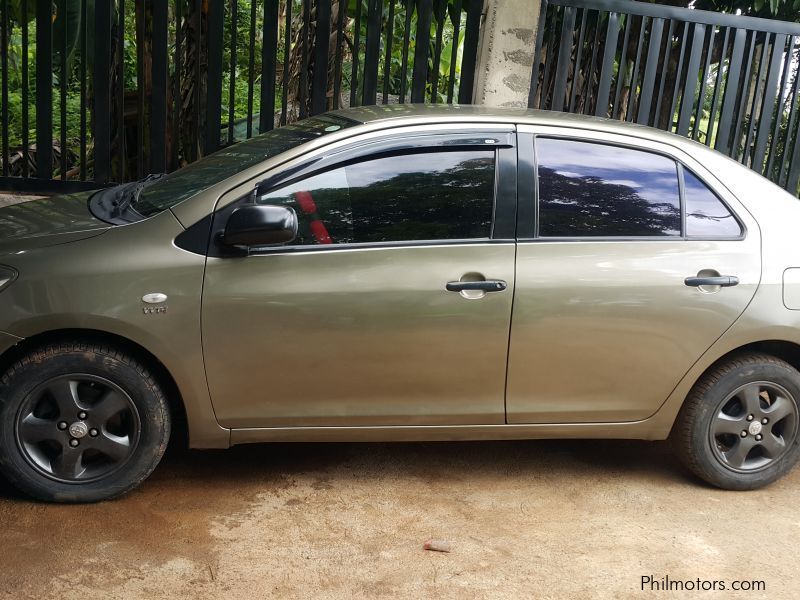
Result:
[{"x": 563, "y": 519}]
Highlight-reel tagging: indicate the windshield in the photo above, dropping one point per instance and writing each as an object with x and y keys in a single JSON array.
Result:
[{"x": 193, "y": 179}]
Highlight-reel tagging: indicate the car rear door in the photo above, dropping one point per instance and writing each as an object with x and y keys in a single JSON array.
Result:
[
  {"x": 609, "y": 310},
  {"x": 393, "y": 305}
]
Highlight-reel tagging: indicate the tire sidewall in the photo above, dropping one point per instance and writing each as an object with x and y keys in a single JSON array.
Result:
[
  {"x": 147, "y": 397},
  {"x": 701, "y": 438}
]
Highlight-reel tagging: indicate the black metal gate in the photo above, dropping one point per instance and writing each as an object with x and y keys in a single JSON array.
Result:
[
  {"x": 98, "y": 91},
  {"x": 728, "y": 81}
]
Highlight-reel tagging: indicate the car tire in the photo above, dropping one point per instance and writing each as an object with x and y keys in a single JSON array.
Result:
[
  {"x": 80, "y": 422},
  {"x": 739, "y": 429}
]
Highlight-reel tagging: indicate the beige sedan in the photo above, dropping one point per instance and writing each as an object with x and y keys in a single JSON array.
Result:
[{"x": 405, "y": 273}]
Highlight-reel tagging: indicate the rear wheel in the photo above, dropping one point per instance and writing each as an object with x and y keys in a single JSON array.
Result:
[
  {"x": 80, "y": 422},
  {"x": 739, "y": 428}
]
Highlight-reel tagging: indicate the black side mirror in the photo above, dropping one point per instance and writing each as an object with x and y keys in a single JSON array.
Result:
[{"x": 260, "y": 225}]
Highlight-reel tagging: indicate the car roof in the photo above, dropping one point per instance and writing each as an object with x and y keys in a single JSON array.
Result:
[{"x": 393, "y": 115}]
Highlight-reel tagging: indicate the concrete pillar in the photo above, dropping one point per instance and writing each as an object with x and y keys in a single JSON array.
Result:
[{"x": 505, "y": 52}]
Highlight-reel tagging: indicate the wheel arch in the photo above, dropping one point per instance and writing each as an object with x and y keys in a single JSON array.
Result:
[
  {"x": 782, "y": 349},
  {"x": 160, "y": 371}
]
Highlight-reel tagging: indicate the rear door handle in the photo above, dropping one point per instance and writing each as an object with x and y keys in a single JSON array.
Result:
[
  {"x": 722, "y": 281},
  {"x": 490, "y": 285}
]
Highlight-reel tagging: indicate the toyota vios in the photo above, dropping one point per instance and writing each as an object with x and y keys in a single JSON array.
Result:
[{"x": 405, "y": 273}]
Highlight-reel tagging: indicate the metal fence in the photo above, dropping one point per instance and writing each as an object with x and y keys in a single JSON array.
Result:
[
  {"x": 729, "y": 81},
  {"x": 98, "y": 91}
]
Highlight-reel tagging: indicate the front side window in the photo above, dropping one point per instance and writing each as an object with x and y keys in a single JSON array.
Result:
[
  {"x": 400, "y": 198},
  {"x": 706, "y": 215},
  {"x": 589, "y": 189}
]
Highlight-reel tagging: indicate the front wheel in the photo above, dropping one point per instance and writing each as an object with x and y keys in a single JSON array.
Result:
[
  {"x": 80, "y": 422},
  {"x": 739, "y": 429}
]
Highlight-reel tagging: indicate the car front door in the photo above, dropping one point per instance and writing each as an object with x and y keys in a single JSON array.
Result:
[
  {"x": 367, "y": 318},
  {"x": 609, "y": 310}
]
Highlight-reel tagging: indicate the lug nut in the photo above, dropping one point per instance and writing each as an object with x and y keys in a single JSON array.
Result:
[
  {"x": 758, "y": 437},
  {"x": 749, "y": 417},
  {"x": 93, "y": 432},
  {"x": 74, "y": 443},
  {"x": 765, "y": 420},
  {"x": 744, "y": 434},
  {"x": 62, "y": 425},
  {"x": 82, "y": 415}
]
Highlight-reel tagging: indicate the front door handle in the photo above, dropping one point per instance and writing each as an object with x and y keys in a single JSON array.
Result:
[
  {"x": 722, "y": 281},
  {"x": 490, "y": 285}
]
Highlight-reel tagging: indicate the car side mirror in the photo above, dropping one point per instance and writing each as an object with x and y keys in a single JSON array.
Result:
[{"x": 260, "y": 225}]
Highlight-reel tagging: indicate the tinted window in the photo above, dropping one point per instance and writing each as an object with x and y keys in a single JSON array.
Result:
[
  {"x": 588, "y": 189},
  {"x": 427, "y": 196},
  {"x": 706, "y": 215}
]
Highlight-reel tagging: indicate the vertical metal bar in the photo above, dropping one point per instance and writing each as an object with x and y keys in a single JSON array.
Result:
[
  {"x": 120, "y": 92},
  {"x": 356, "y": 48},
  {"x": 251, "y": 67},
  {"x": 269, "y": 59},
  {"x": 741, "y": 106},
  {"x": 419, "y": 77},
  {"x": 406, "y": 43},
  {"x": 44, "y": 88},
  {"x": 537, "y": 54},
  {"x": 319, "y": 88},
  {"x": 606, "y": 73},
  {"x": 62, "y": 84},
  {"x": 564, "y": 58},
  {"x": 4, "y": 21},
  {"x": 768, "y": 102},
  {"x": 287, "y": 51},
  {"x": 141, "y": 87},
  {"x": 751, "y": 129},
  {"x": 651, "y": 66},
  {"x": 470, "y": 55},
  {"x": 25, "y": 91},
  {"x": 703, "y": 79},
  {"x": 387, "y": 60},
  {"x": 622, "y": 66},
  {"x": 234, "y": 60},
  {"x": 437, "y": 54},
  {"x": 451, "y": 84},
  {"x": 782, "y": 93},
  {"x": 337, "y": 81},
  {"x": 665, "y": 72},
  {"x": 82, "y": 134},
  {"x": 372, "y": 52},
  {"x": 197, "y": 17},
  {"x": 678, "y": 77},
  {"x": 305, "y": 48},
  {"x": 548, "y": 65},
  {"x": 793, "y": 102},
  {"x": 793, "y": 181},
  {"x": 718, "y": 86},
  {"x": 215, "y": 34},
  {"x": 177, "y": 96},
  {"x": 731, "y": 89},
  {"x": 590, "y": 88},
  {"x": 690, "y": 86},
  {"x": 578, "y": 61},
  {"x": 158, "y": 96},
  {"x": 101, "y": 90},
  {"x": 635, "y": 74}
]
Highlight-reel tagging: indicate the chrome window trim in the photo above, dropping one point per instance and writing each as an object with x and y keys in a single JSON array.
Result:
[{"x": 585, "y": 135}]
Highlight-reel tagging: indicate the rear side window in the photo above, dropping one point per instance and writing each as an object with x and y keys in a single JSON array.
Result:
[
  {"x": 410, "y": 197},
  {"x": 706, "y": 214},
  {"x": 588, "y": 189}
]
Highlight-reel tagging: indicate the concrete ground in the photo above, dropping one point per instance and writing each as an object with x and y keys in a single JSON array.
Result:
[{"x": 564, "y": 519}]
